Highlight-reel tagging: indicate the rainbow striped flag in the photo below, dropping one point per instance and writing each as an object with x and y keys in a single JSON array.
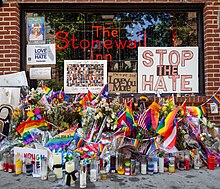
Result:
[
  {"x": 31, "y": 124},
  {"x": 203, "y": 109},
  {"x": 215, "y": 99},
  {"x": 168, "y": 122},
  {"x": 134, "y": 142},
  {"x": 154, "y": 144}
]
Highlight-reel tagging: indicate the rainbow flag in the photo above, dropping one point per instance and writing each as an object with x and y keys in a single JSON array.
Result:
[
  {"x": 215, "y": 99},
  {"x": 194, "y": 111},
  {"x": 203, "y": 109},
  {"x": 105, "y": 141},
  {"x": 130, "y": 120},
  {"x": 168, "y": 122},
  {"x": 31, "y": 124},
  {"x": 134, "y": 142},
  {"x": 154, "y": 144},
  {"x": 58, "y": 143},
  {"x": 31, "y": 135}
]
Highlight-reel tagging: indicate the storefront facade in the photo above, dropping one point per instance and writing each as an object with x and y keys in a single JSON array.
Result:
[{"x": 181, "y": 24}]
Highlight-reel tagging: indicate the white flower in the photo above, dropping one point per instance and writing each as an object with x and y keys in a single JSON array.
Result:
[{"x": 113, "y": 116}]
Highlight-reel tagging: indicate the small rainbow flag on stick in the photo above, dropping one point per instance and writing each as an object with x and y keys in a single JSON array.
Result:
[
  {"x": 203, "y": 109},
  {"x": 215, "y": 99},
  {"x": 134, "y": 142}
]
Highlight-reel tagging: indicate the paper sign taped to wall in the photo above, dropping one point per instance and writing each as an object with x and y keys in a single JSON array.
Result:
[
  {"x": 40, "y": 73},
  {"x": 9, "y": 95},
  {"x": 18, "y": 79}
]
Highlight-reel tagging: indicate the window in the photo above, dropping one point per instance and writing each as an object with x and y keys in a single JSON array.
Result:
[{"x": 115, "y": 35}]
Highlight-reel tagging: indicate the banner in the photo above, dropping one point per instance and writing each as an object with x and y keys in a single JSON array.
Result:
[
  {"x": 83, "y": 75},
  {"x": 168, "y": 70},
  {"x": 36, "y": 156},
  {"x": 41, "y": 54},
  {"x": 122, "y": 82}
]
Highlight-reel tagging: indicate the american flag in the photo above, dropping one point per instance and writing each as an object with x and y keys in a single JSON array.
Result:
[{"x": 144, "y": 120}]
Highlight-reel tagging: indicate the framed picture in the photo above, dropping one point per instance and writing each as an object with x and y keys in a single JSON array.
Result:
[
  {"x": 81, "y": 75},
  {"x": 36, "y": 30}
]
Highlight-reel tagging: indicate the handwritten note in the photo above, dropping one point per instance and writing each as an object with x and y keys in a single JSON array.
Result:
[
  {"x": 18, "y": 79},
  {"x": 40, "y": 73}
]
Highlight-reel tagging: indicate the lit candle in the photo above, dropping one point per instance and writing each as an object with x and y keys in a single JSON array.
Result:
[
  {"x": 57, "y": 165},
  {"x": 70, "y": 177}
]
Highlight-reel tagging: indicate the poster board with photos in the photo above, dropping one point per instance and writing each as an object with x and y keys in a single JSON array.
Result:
[
  {"x": 36, "y": 30},
  {"x": 83, "y": 75},
  {"x": 122, "y": 82}
]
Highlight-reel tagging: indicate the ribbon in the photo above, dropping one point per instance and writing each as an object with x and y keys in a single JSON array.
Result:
[
  {"x": 57, "y": 166},
  {"x": 68, "y": 179}
]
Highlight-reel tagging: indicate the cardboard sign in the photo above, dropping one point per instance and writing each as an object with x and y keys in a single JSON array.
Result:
[
  {"x": 81, "y": 75},
  {"x": 168, "y": 70},
  {"x": 122, "y": 82},
  {"x": 40, "y": 73},
  {"x": 41, "y": 54},
  {"x": 36, "y": 156}
]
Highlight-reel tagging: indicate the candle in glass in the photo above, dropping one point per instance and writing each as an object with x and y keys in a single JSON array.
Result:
[
  {"x": 83, "y": 171},
  {"x": 70, "y": 175},
  {"x": 57, "y": 165},
  {"x": 1, "y": 162},
  {"x": 18, "y": 164},
  {"x": 44, "y": 166}
]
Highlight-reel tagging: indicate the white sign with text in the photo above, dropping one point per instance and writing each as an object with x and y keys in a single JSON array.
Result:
[
  {"x": 40, "y": 73},
  {"x": 168, "y": 70},
  {"x": 41, "y": 54}
]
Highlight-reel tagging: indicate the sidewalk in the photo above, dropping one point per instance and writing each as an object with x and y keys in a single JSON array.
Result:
[{"x": 193, "y": 179}]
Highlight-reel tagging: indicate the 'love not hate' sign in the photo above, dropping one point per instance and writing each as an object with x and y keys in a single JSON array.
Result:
[{"x": 168, "y": 69}]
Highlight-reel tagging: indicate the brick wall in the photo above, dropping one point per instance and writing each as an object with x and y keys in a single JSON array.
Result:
[{"x": 10, "y": 43}]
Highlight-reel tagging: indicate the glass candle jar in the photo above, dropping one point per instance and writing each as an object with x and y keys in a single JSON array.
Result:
[
  {"x": 18, "y": 164},
  {"x": 171, "y": 164},
  {"x": 82, "y": 177},
  {"x": 93, "y": 171},
  {"x": 1, "y": 162},
  {"x": 121, "y": 168},
  {"x": 29, "y": 166},
  {"x": 57, "y": 165},
  {"x": 161, "y": 164},
  {"x": 70, "y": 176},
  {"x": 150, "y": 166},
  {"x": 143, "y": 165},
  {"x": 127, "y": 163},
  {"x": 186, "y": 161},
  {"x": 5, "y": 159},
  {"x": 11, "y": 166},
  {"x": 44, "y": 168},
  {"x": 113, "y": 163},
  {"x": 196, "y": 159}
]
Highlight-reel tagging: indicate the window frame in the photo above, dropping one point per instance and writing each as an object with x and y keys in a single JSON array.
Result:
[{"x": 109, "y": 8}]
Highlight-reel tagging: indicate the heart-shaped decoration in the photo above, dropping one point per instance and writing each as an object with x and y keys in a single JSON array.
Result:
[{"x": 5, "y": 111}]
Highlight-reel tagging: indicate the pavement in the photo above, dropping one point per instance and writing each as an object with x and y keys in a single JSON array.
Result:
[{"x": 192, "y": 179}]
